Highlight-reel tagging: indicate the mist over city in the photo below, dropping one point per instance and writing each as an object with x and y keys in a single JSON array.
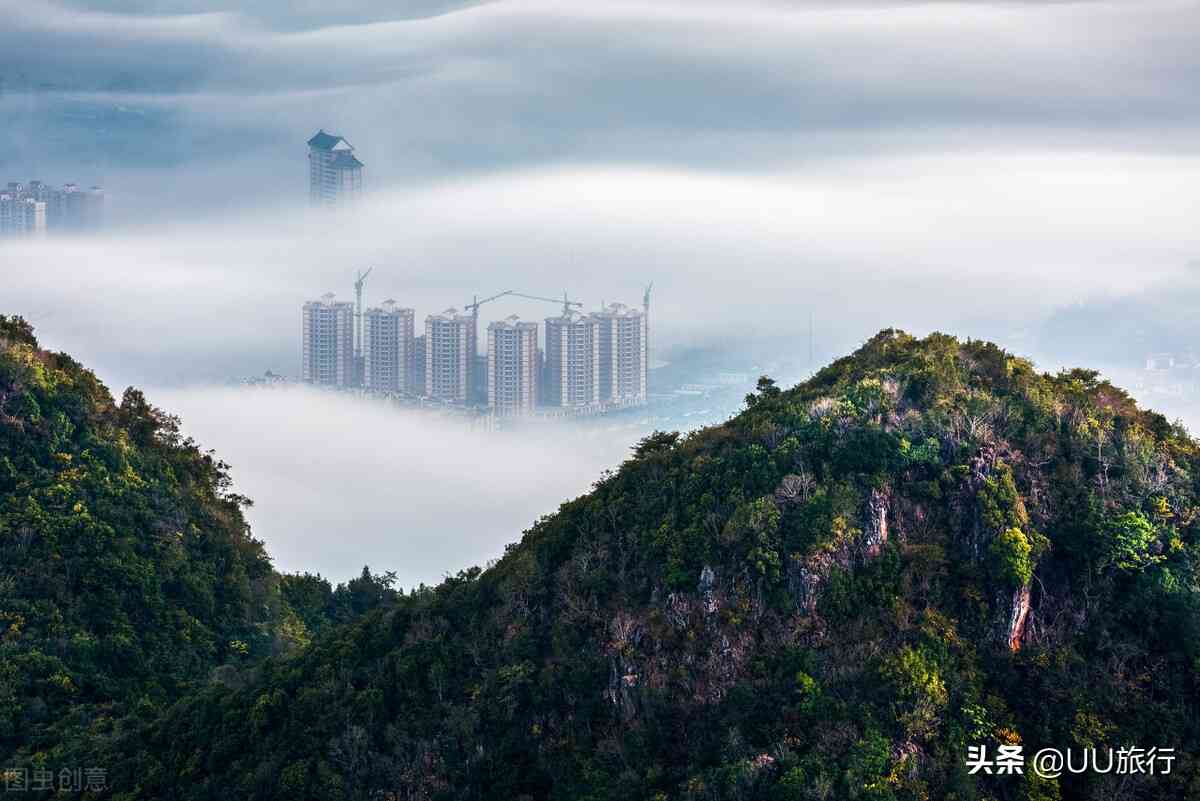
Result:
[
  {"x": 645, "y": 400},
  {"x": 1018, "y": 177}
]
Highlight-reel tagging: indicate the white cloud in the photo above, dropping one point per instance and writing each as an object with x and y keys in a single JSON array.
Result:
[
  {"x": 340, "y": 482},
  {"x": 962, "y": 166},
  {"x": 919, "y": 242}
]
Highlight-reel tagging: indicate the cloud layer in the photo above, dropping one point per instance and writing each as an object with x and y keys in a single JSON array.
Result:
[
  {"x": 339, "y": 483},
  {"x": 981, "y": 245},
  {"x": 455, "y": 88},
  {"x": 962, "y": 166}
]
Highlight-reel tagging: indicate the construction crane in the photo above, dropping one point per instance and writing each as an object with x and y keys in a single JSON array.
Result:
[
  {"x": 474, "y": 305},
  {"x": 476, "y": 302},
  {"x": 567, "y": 304},
  {"x": 646, "y": 319},
  {"x": 358, "y": 318}
]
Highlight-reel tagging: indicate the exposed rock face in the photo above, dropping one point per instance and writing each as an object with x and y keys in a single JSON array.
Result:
[
  {"x": 805, "y": 579},
  {"x": 700, "y": 648},
  {"x": 975, "y": 539},
  {"x": 875, "y": 532},
  {"x": 1018, "y": 616},
  {"x": 704, "y": 630},
  {"x": 807, "y": 576},
  {"x": 794, "y": 486},
  {"x": 707, "y": 579},
  {"x": 624, "y": 673}
]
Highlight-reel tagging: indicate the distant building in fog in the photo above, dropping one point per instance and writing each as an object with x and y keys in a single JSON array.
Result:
[
  {"x": 334, "y": 172},
  {"x": 512, "y": 367},
  {"x": 36, "y": 208},
  {"x": 416, "y": 366},
  {"x": 387, "y": 347},
  {"x": 327, "y": 342},
  {"x": 590, "y": 363},
  {"x": 21, "y": 216},
  {"x": 450, "y": 356},
  {"x": 572, "y": 372},
  {"x": 621, "y": 353}
]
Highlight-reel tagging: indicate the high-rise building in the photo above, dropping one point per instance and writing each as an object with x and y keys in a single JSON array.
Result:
[
  {"x": 572, "y": 372},
  {"x": 327, "y": 342},
  {"x": 78, "y": 209},
  {"x": 35, "y": 208},
  {"x": 478, "y": 394},
  {"x": 21, "y": 216},
  {"x": 387, "y": 347},
  {"x": 334, "y": 172},
  {"x": 450, "y": 356},
  {"x": 622, "y": 353},
  {"x": 416, "y": 366},
  {"x": 512, "y": 367}
]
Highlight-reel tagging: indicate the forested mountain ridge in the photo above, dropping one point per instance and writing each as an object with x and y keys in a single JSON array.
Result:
[
  {"x": 928, "y": 545},
  {"x": 126, "y": 568},
  {"x": 127, "y": 571}
]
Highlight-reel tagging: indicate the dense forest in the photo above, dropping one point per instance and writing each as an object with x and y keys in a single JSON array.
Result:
[
  {"x": 128, "y": 575},
  {"x": 927, "y": 546}
]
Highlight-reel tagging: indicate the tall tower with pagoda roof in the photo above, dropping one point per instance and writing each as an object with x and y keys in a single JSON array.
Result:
[{"x": 334, "y": 172}]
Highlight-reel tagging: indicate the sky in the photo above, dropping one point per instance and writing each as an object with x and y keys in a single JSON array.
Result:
[{"x": 1027, "y": 172}]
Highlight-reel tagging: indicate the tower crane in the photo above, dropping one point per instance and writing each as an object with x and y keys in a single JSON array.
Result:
[
  {"x": 358, "y": 310},
  {"x": 646, "y": 319},
  {"x": 475, "y": 303},
  {"x": 359, "y": 360},
  {"x": 567, "y": 304}
]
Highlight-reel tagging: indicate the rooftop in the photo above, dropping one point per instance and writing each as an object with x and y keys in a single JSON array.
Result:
[
  {"x": 451, "y": 315},
  {"x": 328, "y": 300},
  {"x": 390, "y": 306},
  {"x": 570, "y": 318},
  {"x": 327, "y": 141},
  {"x": 512, "y": 322},
  {"x": 618, "y": 310},
  {"x": 344, "y": 159}
]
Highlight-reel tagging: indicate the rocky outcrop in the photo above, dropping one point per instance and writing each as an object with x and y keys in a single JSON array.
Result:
[
  {"x": 806, "y": 575},
  {"x": 875, "y": 528},
  {"x": 1017, "y": 618},
  {"x": 710, "y": 632},
  {"x": 625, "y": 675},
  {"x": 805, "y": 578}
]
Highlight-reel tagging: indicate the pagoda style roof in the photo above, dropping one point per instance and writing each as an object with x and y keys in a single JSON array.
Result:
[
  {"x": 327, "y": 141},
  {"x": 344, "y": 159}
]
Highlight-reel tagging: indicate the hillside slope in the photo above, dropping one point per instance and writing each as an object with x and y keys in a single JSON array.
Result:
[
  {"x": 127, "y": 571},
  {"x": 926, "y": 546}
]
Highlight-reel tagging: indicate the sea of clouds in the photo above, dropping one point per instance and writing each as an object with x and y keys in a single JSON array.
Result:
[{"x": 962, "y": 166}]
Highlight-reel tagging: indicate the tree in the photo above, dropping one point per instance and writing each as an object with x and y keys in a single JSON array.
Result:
[
  {"x": 1010, "y": 558},
  {"x": 1130, "y": 543}
]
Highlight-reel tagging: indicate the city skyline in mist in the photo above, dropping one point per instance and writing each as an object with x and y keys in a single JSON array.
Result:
[{"x": 976, "y": 168}]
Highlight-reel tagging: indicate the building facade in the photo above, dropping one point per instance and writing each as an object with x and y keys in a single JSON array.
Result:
[
  {"x": 512, "y": 367},
  {"x": 36, "y": 208},
  {"x": 75, "y": 209},
  {"x": 416, "y": 367},
  {"x": 450, "y": 356},
  {"x": 622, "y": 354},
  {"x": 387, "y": 347},
  {"x": 327, "y": 342},
  {"x": 572, "y": 372},
  {"x": 21, "y": 216},
  {"x": 334, "y": 172}
]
